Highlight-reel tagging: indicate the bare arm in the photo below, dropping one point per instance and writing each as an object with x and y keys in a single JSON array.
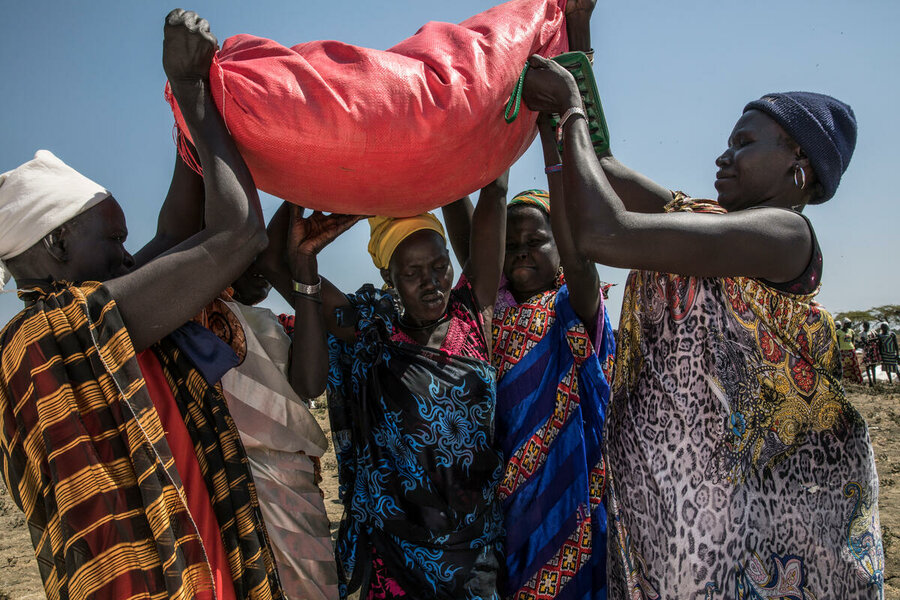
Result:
[
  {"x": 194, "y": 271},
  {"x": 181, "y": 215},
  {"x": 314, "y": 314},
  {"x": 578, "y": 24},
  {"x": 274, "y": 264},
  {"x": 488, "y": 242},
  {"x": 769, "y": 243},
  {"x": 458, "y": 220},
  {"x": 581, "y": 274},
  {"x": 638, "y": 192}
]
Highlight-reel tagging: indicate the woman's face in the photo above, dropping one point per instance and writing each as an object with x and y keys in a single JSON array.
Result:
[
  {"x": 758, "y": 164},
  {"x": 421, "y": 272},
  {"x": 532, "y": 260},
  {"x": 95, "y": 244}
]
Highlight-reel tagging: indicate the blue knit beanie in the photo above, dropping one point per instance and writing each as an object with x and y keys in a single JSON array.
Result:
[{"x": 824, "y": 127}]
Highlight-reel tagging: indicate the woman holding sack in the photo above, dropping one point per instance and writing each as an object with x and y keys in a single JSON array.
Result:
[
  {"x": 553, "y": 350},
  {"x": 411, "y": 395},
  {"x": 737, "y": 465}
]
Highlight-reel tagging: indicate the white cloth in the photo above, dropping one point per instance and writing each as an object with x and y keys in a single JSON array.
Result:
[
  {"x": 281, "y": 436},
  {"x": 36, "y": 198}
]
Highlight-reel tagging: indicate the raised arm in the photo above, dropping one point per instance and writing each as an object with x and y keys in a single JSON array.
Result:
[
  {"x": 638, "y": 193},
  {"x": 181, "y": 215},
  {"x": 314, "y": 300},
  {"x": 458, "y": 221},
  {"x": 581, "y": 274},
  {"x": 769, "y": 243},
  {"x": 158, "y": 297},
  {"x": 578, "y": 24},
  {"x": 275, "y": 265},
  {"x": 488, "y": 242}
]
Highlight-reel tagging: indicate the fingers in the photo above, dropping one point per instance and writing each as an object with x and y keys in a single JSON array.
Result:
[
  {"x": 174, "y": 16},
  {"x": 537, "y": 61},
  {"x": 190, "y": 21},
  {"x": 295, "y": 211}
]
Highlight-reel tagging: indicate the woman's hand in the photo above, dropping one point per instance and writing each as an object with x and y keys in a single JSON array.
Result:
[
  {"x": 580, "y": 7},
  {"x": 188, "y": 47},
  {"x": 311, "y": 234},
  {"x": 549, "y": 87}
]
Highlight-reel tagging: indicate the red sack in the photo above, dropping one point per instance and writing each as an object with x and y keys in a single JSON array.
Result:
[{"x": 347, "y": 129}]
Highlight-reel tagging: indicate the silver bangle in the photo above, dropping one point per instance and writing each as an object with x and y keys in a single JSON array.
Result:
[
  {"x": 305, "y": 289},
  {"x": 575, "y": 110}
]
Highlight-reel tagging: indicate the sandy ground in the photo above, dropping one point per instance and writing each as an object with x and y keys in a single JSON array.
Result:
[{"x": 19, "y": 579}]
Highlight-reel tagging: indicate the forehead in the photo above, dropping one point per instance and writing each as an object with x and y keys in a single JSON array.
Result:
[
  {"x": 758, "y": 122},
  {"x": 423, "y": 246},
  {"x": 524, "y": 218},
  {"x": 105, "y": 215}
]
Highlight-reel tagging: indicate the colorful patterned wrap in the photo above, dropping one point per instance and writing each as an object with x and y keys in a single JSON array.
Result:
[
  {"x": 413, "y": 432},
  {"x": 737, "y": 467},
  {"x": 85, "y": 457},
  {"x": 551, "y": 408}
]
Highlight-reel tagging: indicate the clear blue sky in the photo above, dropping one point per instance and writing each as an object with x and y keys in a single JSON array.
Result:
[{"x": 85, "y": 80}]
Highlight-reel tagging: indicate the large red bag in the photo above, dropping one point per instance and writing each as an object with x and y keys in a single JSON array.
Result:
[{"x": 347, "y": 129}]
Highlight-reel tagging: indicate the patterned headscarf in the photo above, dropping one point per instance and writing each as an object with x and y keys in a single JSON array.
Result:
[
  {"x": 537, "y": 198},
  {"x": 387, "y": 233}
]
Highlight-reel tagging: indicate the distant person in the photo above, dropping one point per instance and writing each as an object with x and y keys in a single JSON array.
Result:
[
  {"x": 114, "y": 439},
  {"x": 887, "y": 347},
  {"x": 849, "y": 362},
  {"x": 737, "y": 466},
  {"x": 871, "y": 353}
]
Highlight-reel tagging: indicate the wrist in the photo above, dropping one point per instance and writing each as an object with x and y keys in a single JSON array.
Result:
[
  {"x": 185, "y": 85},
  {"x": 578, "y": 30},
  {"x": 305, "y": 269},
  {"x": 307, "y": 289}
]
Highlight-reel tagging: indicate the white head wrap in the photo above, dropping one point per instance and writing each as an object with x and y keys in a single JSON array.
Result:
[{"x": 38, "y": 197}]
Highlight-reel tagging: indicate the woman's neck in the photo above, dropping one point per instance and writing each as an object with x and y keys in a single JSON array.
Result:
[
  {"x": 431, "y": 334},
  {"x": 521, "y": 297}
]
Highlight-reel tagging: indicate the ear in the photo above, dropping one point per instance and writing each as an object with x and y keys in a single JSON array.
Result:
[
  {"x": 56, "y": 243},
  {"x": 386, "y": 276}
]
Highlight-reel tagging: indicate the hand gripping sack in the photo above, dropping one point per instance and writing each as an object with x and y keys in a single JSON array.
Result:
[{"x": 346, "y": 129}]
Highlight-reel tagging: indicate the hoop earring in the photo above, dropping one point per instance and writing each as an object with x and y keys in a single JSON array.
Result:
[{"x": 801, "y": 182}]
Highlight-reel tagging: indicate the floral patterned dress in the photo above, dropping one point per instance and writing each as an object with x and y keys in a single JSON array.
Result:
[{"x": 738, "y": 469}]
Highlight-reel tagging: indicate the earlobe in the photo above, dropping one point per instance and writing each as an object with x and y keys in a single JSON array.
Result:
[{"x": 386, "y": 276}]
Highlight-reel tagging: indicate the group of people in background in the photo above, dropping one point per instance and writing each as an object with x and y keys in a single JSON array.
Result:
[
  {"x": 875, "y": 348},
  {"x": 493, "y": 438}
]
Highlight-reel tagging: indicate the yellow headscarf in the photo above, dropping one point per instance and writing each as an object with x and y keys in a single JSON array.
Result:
[{"x": 387, "y": 233}]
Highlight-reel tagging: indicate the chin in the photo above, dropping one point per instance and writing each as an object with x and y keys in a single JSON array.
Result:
[{"x": 725, "y": 203}]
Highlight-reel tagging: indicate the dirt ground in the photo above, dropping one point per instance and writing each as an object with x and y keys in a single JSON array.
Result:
[{"x": 19, "y": 579}]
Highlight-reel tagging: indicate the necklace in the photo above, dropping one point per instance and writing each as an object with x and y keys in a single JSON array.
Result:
[{"x": 430, "y": 325}]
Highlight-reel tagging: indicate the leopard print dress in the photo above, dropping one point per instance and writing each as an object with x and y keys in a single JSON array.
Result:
[{"x": 738, "y": 467}]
